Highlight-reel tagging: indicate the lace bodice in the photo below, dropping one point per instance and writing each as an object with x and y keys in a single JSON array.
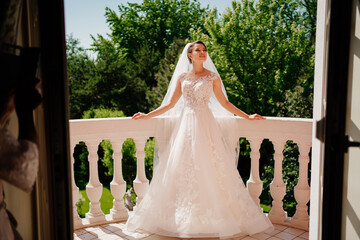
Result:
[{"x": 197, "y": 93}]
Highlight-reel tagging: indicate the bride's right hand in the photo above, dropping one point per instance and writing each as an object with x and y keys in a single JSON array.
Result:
[
  {"x": 140, "y": 115},
  {"x": 255, "y": 117}
]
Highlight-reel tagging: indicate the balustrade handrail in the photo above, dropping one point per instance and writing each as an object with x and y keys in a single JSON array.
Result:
[
  {"x": 271, "y": 126},
  {"x": 276, "y": 129}
]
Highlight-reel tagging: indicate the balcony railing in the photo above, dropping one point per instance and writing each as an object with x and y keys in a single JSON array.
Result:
[{"x": 117, "y": 130}]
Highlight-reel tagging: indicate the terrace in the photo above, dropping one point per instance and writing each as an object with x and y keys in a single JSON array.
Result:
[{"x": 96, "y": 224}]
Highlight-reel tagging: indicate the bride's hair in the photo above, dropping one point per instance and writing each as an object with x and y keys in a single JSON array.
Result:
[{"x": 190, "y": 48}]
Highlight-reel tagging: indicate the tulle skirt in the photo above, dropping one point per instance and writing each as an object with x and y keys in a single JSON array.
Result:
[{"x": 197, "y": 191}]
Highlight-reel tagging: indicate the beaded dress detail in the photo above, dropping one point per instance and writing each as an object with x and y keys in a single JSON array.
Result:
[{"x": 197, "y": 191}]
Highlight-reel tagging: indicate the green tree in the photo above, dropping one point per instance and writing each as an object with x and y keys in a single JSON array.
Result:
[
  {"x": 115, "y": 88},
  {"x": 155, "y": 23},
  {"x": 261, "y": 49},
  {"x": 105, "y": 162},
  {"x": 81, "y": 71},
  {"x": 81, "y": 165},
  {"x": 130, "y": 61},
  {"x": 102, "y": 113},
  {"x": 290, "y": 175},
  {"x": 163, "y": 76}
]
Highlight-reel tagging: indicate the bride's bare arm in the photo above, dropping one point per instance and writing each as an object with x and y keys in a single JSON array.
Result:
[
  {"x": 228, "y": 105},
  {"x": 163, "y": 108}
]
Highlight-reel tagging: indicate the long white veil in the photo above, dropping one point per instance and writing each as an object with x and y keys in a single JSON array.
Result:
[
  {"x": 184, "y": 65},
  {"x": 167, "y": 127}
]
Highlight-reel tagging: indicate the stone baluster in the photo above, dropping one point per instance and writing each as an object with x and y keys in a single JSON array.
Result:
[
  {"x": 118, "y": 185},
  {"x": 94, "y": 187},
  {"x": 75, "y": 191},
  {"x": 277, "y": 186},
  {"x": 302, "y": 189},
  {"x": 141, "y": 183},
  {"x": 254, "y": 184}
]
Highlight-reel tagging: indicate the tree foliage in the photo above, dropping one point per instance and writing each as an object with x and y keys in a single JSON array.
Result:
[
  {"x": 82, "y": 77},
  {"x": 130, "y": 61},
  {"x": 261, "y": 49},
  {"x": 102, "y": 113},
  {"x": 81, "y": 165},
  {"x": 154, "y": 23}
]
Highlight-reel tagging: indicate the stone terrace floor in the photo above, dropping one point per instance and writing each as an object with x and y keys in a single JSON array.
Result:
[{"x": 117, "y": 231}]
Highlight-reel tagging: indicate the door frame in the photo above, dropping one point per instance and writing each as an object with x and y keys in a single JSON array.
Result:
[
  {"x": 54, "y": 195},
  {"x": 332, "y": 58},
  {"x": 335, "y": 117}
]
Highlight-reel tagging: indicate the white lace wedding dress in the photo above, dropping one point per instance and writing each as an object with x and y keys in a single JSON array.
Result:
[{"x": 197, "y": 191}]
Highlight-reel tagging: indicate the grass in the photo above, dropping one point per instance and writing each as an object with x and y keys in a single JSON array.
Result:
[{"x": 265, "y": 208}]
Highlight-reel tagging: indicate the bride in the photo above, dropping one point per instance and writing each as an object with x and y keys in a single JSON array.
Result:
[{"x": 196, "y": 190}]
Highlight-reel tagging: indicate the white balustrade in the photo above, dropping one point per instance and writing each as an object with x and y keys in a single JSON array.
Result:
[
  {"x": 118, "y": 185},
  {"x": 94, "y": 187},
  {"x": 277, "y": 130},
  {"x": 302, "y": 189},
  {"x": 75, "y": 192},
  {"x": 254, "y": 184},
  {"x": 278, "y": 187},
  {"x": 141, "y": 183}
]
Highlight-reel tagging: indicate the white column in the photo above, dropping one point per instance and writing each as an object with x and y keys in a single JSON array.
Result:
[
  {"x": 254, "y": 184},
  {"x": 141, "y": 183},
  {"x": 278, "y": 187},
  {"x": 75, "y": 190},
  {"x": 302, "y": 189},
  {"x": 118, "y": 185},
  {"x": 94, "y": 187}
]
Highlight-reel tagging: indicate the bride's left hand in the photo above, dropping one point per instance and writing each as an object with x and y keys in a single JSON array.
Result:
[
  {"x": 256, "y": 117},
  {"x": 140, "y": 115}
]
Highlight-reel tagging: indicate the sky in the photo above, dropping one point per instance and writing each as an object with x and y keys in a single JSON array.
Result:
[{"x": 85, "y": 17}]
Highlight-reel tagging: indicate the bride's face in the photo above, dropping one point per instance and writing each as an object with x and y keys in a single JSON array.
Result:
[{"x": 199, "y": 53}]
